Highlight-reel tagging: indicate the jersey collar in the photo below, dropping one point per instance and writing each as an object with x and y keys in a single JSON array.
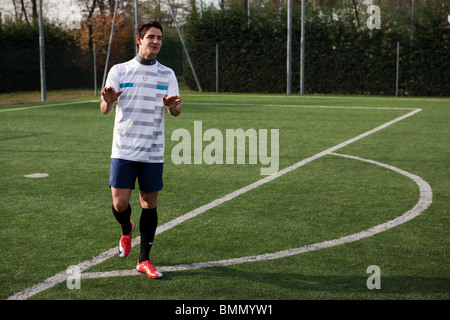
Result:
[{"x": 147, "y": 62}]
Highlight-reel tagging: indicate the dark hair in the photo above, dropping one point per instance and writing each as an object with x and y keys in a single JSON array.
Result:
[{"x": 143, "y": 27}]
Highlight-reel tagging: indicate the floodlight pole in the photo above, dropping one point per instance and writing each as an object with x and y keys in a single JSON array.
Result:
[
  {"x": 110, "y": 44},
  {"x": 302, "y": 51},
  {"x": 42, "y": 54}
]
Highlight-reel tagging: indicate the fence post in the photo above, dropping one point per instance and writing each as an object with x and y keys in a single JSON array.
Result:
[
  {"x": 42, "y": 54},
  {"x": 289, "y": 48},
  {"x": 302, "y": 50},
  {"x": 95, "y": 68},
  {"x": 397, "y": 69},
  {"x": 217, "y": 67}
]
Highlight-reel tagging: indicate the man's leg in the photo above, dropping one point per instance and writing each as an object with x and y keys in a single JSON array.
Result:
[
  {"x": 147, "y": 223},
  {"x": 121, "y": 208},
  {"x": 122, "y": 212},
  {"x": 122, "y": 177},
  {"x": 150, "y": 179}
]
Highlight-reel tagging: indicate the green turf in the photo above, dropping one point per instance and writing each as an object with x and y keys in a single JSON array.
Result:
[{"x": 51, "y": 223}]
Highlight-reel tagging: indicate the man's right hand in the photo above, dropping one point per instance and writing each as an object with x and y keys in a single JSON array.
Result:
[{"x": 110, "y": 95}]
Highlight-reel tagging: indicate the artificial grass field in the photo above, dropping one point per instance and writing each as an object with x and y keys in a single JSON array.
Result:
[{"x": 52, "y": 223}]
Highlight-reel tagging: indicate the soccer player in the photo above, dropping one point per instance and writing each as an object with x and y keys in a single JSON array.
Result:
[{"x": 143, "y": 89}]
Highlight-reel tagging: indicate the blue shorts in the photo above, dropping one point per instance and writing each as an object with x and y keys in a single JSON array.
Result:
[{"x": 123, "y": 174}]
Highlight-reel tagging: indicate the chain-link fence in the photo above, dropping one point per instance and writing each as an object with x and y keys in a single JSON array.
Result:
[
  {"x": 69, "y": 67},
  {"x": 409, "y": 69}
]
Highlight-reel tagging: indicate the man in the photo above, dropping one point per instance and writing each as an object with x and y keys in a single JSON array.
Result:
[{"x": 145, "y": 88}]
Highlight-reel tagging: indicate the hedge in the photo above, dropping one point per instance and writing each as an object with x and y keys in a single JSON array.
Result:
[{"x": 340, "y": 58}]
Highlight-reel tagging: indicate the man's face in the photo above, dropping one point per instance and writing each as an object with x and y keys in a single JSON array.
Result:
[{"x": 150, "y": 45}]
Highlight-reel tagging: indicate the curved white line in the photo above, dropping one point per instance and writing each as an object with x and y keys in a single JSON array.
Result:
[{"x": 425, "y": 200}]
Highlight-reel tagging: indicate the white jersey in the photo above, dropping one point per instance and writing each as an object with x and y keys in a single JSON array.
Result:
[{"x": 139, "y": 122}]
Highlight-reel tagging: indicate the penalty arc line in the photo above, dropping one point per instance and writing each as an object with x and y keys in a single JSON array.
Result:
[{"x": 62, "y": 276}]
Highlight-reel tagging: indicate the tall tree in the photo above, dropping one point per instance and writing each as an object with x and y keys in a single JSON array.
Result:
[
  {"x": 25, "y": 11},
  {"x": 96, "y": 28}
]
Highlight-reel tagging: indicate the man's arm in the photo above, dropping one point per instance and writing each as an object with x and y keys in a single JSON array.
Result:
[
  {"x": 110, "y": 97},
  {"x": 106, "y": 107},
  {"x": 173, "y": 105}
]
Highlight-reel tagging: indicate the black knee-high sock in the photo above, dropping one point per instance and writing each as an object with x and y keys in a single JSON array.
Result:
[
  {"x": 147, "y": 228},
  {"x": 124, "y": 219}
]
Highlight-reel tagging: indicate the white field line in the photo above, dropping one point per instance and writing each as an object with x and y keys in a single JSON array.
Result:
[
  {"x": 294, "y": 106},
  {"x": 47, "y": 105},
  {"x": 218, "y": 104},
  {"x": 62, "y": 276},
  {"x": 324, "y": 97}
]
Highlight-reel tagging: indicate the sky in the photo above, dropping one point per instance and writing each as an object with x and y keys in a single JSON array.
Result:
[
  {"x": 65, "y": 11},
  {"x": 62, "y": 10}
]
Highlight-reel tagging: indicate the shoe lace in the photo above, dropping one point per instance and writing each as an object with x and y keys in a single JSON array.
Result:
[{"x": 149, "y": 265}]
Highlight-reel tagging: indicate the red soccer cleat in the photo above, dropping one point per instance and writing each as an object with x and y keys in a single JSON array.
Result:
[
  {"x": 125, "y": 242},
  {"x": 148, "y": 268}
]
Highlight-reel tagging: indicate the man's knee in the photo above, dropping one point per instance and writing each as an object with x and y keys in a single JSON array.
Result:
[
  {"x": 121, "y": 199},
  {"x": 149, "y": 199},
  {"x": 120, "y": 206}
]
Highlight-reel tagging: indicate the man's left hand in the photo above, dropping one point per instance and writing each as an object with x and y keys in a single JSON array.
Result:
[{"x": 171, "y": 101}]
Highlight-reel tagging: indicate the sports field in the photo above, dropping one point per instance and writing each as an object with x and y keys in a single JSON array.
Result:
[{"x": 361, "y": 182}]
